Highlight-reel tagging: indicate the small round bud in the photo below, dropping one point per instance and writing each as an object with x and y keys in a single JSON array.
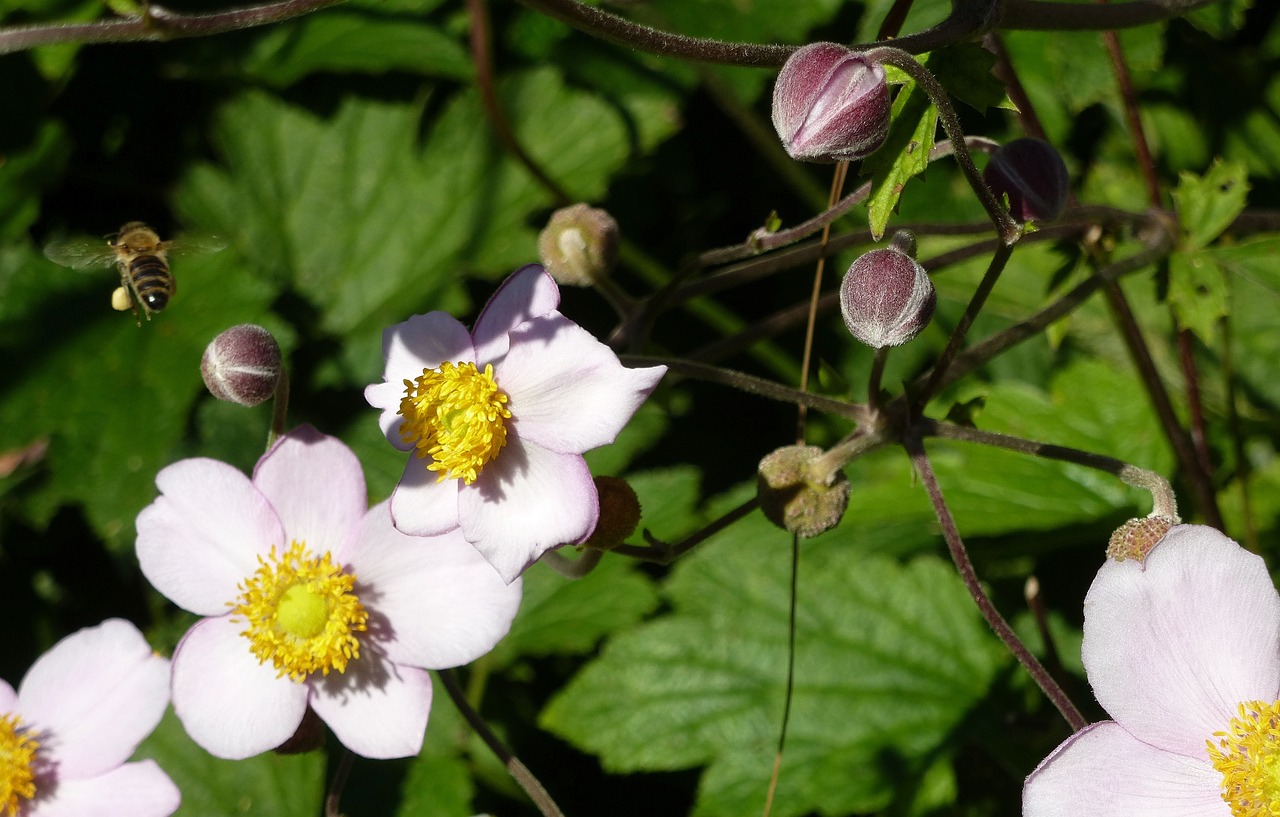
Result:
[
  {"x": 886, "y": 296},
  {"x": 242, "y": 365},
  {"x": 619, "y": 514},
  {"x": 794, "y": 502},
  {"x": 1031, "y": 173},
  {"x": 830, "y": 104},
  {"x": 1135, "y": 538},
  {"x": 579, "y": 245}
]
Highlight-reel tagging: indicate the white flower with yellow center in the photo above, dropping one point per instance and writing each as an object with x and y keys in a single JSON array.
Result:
[
  {"x": 313, "y": 601},
  {"x": 1183, "y": 651},
  {"x": 498, "y": 419},
  {"x": 78, "y": 715}
]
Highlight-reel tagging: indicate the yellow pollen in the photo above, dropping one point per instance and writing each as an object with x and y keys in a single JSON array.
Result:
[
  {"x": 17, "y": 765},
  {"x": 455, "y": 415},
  {"x": 302, "y": 613},
  {"x": 1247, "y": 754}
]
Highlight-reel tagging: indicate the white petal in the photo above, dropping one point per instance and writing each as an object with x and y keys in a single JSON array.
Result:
[
  {"x": 316, "y": 486},
  {"x": 204, "y": 534},
  {"x": 133, "y": 790},
  {"x": 95, "y": 696},
  {"x": 376, "y": 708},
  {"x": 230, "y": 704},
  {"x": 421, "y": 506},
  {"x": 386, "y": 397},
  {"x": 1171, "y": 648},
  {"x": 1103, "y": 771},
  {"x": 527, "y": 501},
  {"x": 527, "y": 293},
  {"x": 568, "y": 391},
  {"x": 424, "y": 342},
  {"x": 435, "y": 602}
]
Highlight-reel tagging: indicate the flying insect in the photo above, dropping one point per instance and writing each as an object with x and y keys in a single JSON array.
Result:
[{"x": 142, "y": 259}]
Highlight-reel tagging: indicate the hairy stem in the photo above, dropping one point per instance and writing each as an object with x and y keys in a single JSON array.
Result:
[{"x": 662, "y": 553}]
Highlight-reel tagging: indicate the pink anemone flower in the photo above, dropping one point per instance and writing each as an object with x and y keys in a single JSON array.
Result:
[
  {"x": 312, "y": 601},
  {"x": 1183, "y": 651},
  {"x": 79, "y": 713},
  {"x": 498, "y": 419}
]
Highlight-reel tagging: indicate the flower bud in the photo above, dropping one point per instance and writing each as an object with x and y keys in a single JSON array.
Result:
[
  {"x": 886, "y": 297},
  {"x": 1135, "y": 538},
  {"x": 619, "y": 514},
  {"x": 793, "y": 501},
  {"x": 830, "y": 104},
  {"x": 242, "y": 365},
  {"x": 579, "y": 245},
  {"x": 1031, "y": 173}
]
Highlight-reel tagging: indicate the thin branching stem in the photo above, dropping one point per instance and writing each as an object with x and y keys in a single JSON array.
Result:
[
  {"x": 518, "y": 771},
  {"x": 960, "y": 555},
  {"x": 663, "y": 553}
]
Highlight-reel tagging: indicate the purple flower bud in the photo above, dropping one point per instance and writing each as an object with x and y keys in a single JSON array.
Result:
[
  {"x": 242, "y": 365},
  {"x": 886, "y": 297},
  {"x": 1031, "y": 173},
  {"x": 579, "y": 245},
  {"x": 830, "y": 104}
]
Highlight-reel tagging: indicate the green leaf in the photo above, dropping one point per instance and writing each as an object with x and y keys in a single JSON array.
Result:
[
  {"x": 965, "y": 71},
  {"x": 345, "y": 41},
  {"x": 268, "y": 785},
  {"x": 1208, "y": 204},
  {"x": 23, "y": 176},
  {"x": 1221, "y": 19},
  {"x": 1255, "y": 299},
  {"x": 1198, "y": 293},
  {"x": 439, "y": 782},
  {"x": 889, "y": 660},
  {"x": 904, "y": 154}
]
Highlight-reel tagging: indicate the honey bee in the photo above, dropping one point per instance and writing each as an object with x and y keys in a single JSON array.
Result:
[{"x": 141, "y": 258}]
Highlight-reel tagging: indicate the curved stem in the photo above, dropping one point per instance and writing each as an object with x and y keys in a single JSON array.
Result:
[
  {"x": 960, "y": 555},
  {"x": 157, "y": 23},
  {"x": 661, "y": 553},
  {"x": 518, "y": 771},
  {"x": 333, "y": 800}
]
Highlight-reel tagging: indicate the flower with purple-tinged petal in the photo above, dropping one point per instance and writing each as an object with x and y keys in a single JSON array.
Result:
[
  {"x": 312, "y": 601},
  {"x": 1183, "y": 651},
  {"x": 77, "y": 716},
  {"x": 498, "y": 419}
]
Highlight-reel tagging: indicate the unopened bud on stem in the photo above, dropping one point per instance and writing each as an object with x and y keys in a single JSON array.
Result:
[
  {"x": 1033, "y": 177},
  {"x": 886, "y": 297},
  {"x": 579, "y": 245},
  {"x": 242, "y": 365},
  {"x": 830, "y": 104}
]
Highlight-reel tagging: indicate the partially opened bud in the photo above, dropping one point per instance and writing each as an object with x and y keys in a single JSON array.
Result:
[
  {"x": 579, "y": 244},
  {"x": 830, "y": 104},
  {"x": 886, "y": 297},
  {"x": 1031, "y": 173},
  {"x": 793, "y": 501},
  {"x": 242, "y": 365}
]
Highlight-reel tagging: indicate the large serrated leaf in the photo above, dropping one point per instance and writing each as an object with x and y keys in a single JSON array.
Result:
[
  {"x": 889, "y": 659},
  {"x": 1197, "y": 293}
]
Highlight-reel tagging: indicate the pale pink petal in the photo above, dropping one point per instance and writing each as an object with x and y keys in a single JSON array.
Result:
[
  {"x": 568, "y": 392},
  {"x": 1103, "y": 771},
  {"x": 94, "y": 697},
  {"x": 1171, "y": 648},
  {"x": 435, "y": 601},
  {"x": 423, "y": 342},
  {"x": 133, "y": 790},
  {"x": 421, "y": 506},
  {"x": 527, "y": 501},
  {"x": 8, "y": 698},
  {"x": 376, "y": 709},
  {"x": 527, "y": 293},
  {"x": 230, "y": 704},
  {"x": 203, "y": 535},
  {"x": 386, "y": 397},
  {"x": 316, "y": 486}
]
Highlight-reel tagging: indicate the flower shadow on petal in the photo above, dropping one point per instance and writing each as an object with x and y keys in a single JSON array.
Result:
[
  {"x": 511, "y": 466},
  {"x": 361, "y": 677}
]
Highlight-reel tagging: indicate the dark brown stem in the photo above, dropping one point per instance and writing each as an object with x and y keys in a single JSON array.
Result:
[
  {"x": 157, "y": 23},
  {"x": 518, "y": 771},
  {"x": 1199, "y": 428},
  {"x": 662, "y": 553},
  {"x": 806, "y": 359},
  {"x": 960, "y": 555},
  {"x": 333, "y": 799},
  {"x": 1004, "y": 72}
]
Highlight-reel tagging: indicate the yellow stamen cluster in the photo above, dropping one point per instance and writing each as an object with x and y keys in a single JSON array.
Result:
[
  {"x": 17, "y": 765},
  {"x": 302, "y": 613},
  {"x": 1248, "y": 756},
  {"x": 455, "y": 415}
]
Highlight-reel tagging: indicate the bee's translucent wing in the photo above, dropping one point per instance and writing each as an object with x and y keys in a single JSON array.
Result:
[
  {"x": 194, "y": 244},
  {"x": 80, "y": 253}
]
